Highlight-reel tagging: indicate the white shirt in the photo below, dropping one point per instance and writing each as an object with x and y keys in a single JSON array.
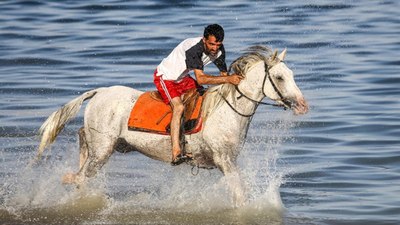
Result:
[{"x": 189, "y": 55}]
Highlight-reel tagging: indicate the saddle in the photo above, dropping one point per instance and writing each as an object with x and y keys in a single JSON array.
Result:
[{"x": 151, "y": 114}]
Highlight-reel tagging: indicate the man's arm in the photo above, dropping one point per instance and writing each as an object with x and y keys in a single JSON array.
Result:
[
  {"x": 223, "y": 73},
  {"x": 203, "y": 78}
]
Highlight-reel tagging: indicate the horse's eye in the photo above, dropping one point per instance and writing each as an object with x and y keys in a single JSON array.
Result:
[{"x": 279, "y": 78}]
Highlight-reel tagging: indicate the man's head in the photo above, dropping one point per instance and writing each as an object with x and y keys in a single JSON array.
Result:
[
  {"x": 215, "y": 30},
  {"x": 212, "y": 38}
]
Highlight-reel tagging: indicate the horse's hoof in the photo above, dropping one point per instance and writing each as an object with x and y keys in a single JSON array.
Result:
[{"x": 68, "y": 178}]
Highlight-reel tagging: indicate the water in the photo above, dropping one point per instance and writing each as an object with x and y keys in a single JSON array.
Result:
[{"x": 339, "y": 164}]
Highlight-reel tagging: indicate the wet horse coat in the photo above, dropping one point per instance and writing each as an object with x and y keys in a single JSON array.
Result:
[{"x": 226, "y": 115}]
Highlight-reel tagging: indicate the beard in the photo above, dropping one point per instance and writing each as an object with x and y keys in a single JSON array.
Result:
[{"x": 212, "y": 53}]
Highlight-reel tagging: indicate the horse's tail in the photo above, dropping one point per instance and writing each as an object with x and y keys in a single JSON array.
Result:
[{"x": 57, "y": 120}]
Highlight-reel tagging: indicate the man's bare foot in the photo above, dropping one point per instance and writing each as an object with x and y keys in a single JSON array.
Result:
[
  {"x": 175, "y": 153},
  {"x": 180, "y": 158}
]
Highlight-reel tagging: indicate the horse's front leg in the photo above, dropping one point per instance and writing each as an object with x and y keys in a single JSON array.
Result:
[{"x": 230, "y": 170}]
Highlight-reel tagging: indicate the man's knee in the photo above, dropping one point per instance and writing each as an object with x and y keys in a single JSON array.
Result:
[
  {"x": 178, "y": 109},
  {"x": 177, "y": 106}
]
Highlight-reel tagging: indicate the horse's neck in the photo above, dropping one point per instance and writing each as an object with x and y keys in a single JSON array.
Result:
[
  {"x": 252, "y": 86},
  {"x": 233, "y": 108},
  {"x": 243, "y": 106},
  {"x": 234, "y": 112}
]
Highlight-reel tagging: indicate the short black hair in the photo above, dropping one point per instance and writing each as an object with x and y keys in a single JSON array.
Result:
[{"x": 216, "y": 30}]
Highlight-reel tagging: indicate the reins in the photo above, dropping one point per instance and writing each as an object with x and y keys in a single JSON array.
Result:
[{"x": 255, "y": 101}]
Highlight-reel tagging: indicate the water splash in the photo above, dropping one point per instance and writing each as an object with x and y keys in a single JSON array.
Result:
[
  {"x": 263, "y": 170},
  {"x": 148, "y": 191}
]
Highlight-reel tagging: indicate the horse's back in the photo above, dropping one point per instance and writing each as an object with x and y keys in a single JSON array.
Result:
[
  {"x": 110, "y": 107},
  {"x": 118, "y": 93},
  {"x": 122, "y": 91}
]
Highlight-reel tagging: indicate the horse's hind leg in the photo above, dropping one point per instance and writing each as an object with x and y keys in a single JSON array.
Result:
[
  {"x": 83, "y": 148},
  {"x": 83, "y": 156},
  {"x": 98, "y": 151}
]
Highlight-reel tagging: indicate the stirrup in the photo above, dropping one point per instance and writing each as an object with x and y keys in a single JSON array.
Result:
[{"x": 181, "y": 159}]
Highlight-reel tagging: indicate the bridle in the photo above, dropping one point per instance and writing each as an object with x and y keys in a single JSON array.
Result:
[{"x": 286, "y": 104}]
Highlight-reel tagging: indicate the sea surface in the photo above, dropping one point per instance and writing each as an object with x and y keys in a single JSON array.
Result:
[{"x": 338, "y": 164}]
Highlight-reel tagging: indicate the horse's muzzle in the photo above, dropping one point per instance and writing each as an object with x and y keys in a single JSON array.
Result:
[{"x": 300, "y": 106}]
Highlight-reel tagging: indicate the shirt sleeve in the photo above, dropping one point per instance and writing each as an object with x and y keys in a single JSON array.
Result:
[
  {"x": 193, "y": 58},
  {"x": 220, "y": 61}
]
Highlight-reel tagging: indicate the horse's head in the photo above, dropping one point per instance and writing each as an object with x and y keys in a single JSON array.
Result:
[
  {"x": 261, "y": 67},
  {"x": 281, "y": 86}
]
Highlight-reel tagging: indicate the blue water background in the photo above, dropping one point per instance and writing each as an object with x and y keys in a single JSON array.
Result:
[{"x": 341, "y": 161}]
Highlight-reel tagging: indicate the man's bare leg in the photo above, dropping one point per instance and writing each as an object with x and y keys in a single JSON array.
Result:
[{"x": 177, "y": 112}]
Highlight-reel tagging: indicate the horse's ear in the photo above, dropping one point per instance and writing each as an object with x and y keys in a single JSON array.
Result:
[
  {"x": 282, "y": 56},
  {"x": 273, "y": 57},
  {"x": 271, "y": 61}
]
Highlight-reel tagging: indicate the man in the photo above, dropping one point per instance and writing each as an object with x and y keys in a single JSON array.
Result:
[{"x": 172, "y": 76}]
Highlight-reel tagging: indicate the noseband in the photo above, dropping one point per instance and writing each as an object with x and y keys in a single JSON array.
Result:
[{"x": 267, "y": 75}]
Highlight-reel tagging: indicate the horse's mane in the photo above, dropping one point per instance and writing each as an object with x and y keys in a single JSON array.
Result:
[{"x": 214, "y": 95}]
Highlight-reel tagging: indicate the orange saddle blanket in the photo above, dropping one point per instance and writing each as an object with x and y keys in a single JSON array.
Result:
[{"x": 151, "y": 114}]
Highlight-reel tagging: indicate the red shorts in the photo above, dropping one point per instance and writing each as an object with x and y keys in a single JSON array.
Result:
[{"x": 170, "y": 89}]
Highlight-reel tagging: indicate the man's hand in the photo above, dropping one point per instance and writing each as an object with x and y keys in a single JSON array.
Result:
[{"x": 235, "y": 79}]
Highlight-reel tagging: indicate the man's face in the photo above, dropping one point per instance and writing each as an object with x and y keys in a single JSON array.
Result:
[{"x": 211, "y": 45}]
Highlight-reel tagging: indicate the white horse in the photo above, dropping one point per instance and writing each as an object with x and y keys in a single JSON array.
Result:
[{"x": 226, "y": 114}]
